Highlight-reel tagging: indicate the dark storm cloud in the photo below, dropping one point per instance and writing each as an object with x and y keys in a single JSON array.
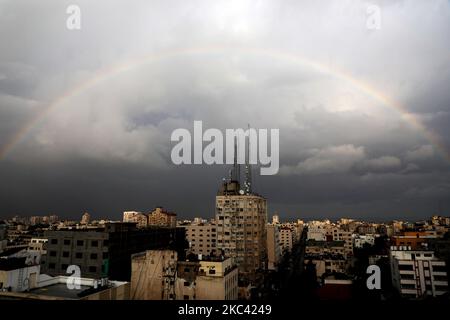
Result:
[{"x": 106, "y": 148}]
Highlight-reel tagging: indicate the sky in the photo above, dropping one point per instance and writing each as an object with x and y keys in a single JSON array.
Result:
[{"x": 359, "y": 91}]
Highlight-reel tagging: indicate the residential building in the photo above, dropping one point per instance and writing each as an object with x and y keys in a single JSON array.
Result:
[
  {"x": 162, "y": 218},
  {"x": 286, "y": 239},
  {"x": 106, "y": 251},
  {"x": 273, "y": 246},
  {"x": 137, "y": 217},
  {"x": 241, "y": 227},
  {"x": 417, "y": 273},
  {"x": 202, "y": 238}
]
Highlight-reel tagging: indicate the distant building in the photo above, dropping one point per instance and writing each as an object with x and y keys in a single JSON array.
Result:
[
  {"x": 273, "y": 246},
  {"x": 359, "y": 241},
  {"x": 159, "y": 275},
  {"x": 275, "y": 219},
  {"x": 414, "y": 239},
  {"x": 202, "y": 238},
  {"x": 286, "y": 239},
  {"x": 417, "y": 273},
  {"x": 137, "y": 217},
  {"x": 38, "y": 244},
  {"x": 86, "y": 218},
  {"x": 162, "y": 218}
]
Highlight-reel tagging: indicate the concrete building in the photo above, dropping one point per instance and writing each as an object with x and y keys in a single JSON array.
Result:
[
  {"x": 105, "y": 251},
  {"x": 158, "y": 275},
  {"x": 417, "y": 273},
  {"x": 241, "y": 227},
  {"x": 202, "y": 238},
  {"x": 414, "y": 239},
  {"x": 359, "y": 241},
  {"x": 273, "y": 246},
  {"x": 316, "y": 231},
  {"x": 38, "y": 244},
  {"x": 56, "y": 288},
  {"x": 18, "y": 274},
  {"x": 275, "y": 219},
  {"x": 137, "y": 217},
  {"x": 162, "y": 218},
  {"x": 286, "y": 239}
]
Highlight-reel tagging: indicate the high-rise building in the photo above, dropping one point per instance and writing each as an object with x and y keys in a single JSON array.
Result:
[{"x": 241, "y": 219}]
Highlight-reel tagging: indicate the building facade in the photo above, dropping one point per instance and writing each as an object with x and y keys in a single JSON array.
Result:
[{"x": 241, "y": 227}]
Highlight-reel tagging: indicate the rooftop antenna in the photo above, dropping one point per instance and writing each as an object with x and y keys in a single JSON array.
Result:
[{"x": 248, "y": 168}]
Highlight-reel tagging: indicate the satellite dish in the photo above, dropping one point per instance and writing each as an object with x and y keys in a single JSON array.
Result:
[{"x": 241, "y": 191}]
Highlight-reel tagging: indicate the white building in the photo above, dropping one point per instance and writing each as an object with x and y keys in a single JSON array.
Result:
[
  {"x": 136, "y": 217},
  {"x": 417, "y": 273},
  {"x": 317, "y": 231},
  {"x": 360, "y": 240}
]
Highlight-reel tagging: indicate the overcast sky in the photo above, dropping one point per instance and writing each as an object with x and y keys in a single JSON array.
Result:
[{"x": 307, "y": 68}]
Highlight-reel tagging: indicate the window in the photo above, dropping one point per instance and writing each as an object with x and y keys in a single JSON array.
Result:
[
  {"x": 212, "y": 271},
  {"x": 54, "y": 241},
  {"x": 51, "y": 266},
  {"x": 105, "y": 255},
  {"x": 92, "y": 269},
  {"x": 93, "y": 256},
  {"x": 105, "y": 242},
  {"x": 186, "y": 284},
  {"x": 65, "y": 254},
  {"x": 52, "y": 253},
  {"x": 187, "y": 270},
  {"x": 80, "y": 243},
  {"x": 66, "y": 242},
  {"x": 79, "y": 255},
  {"x": 64, "y": 266},
  {"x": 94, "y": 243}
]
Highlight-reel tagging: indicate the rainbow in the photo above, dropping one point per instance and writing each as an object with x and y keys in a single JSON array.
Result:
[{"x": 120, "y": 68}]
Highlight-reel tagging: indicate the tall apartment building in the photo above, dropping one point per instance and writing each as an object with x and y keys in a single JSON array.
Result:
[
  {"x": 160, "y": 275},
  {"x": 202, "y": 238},
  {"x": 162, "y": 218},
  {"x": 417, "y": 273},
  {"x": 241, "y": 226},
  {"x": 137, "y": 217},
  {"x": 273, "y": 246}
]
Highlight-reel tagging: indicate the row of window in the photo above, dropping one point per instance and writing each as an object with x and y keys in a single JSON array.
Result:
[
  {"x": 78, "y": 255},
  {"x": 79, "y": 243}
]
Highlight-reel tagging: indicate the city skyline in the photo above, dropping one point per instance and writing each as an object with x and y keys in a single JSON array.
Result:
[{"x": 362, "y": 110}]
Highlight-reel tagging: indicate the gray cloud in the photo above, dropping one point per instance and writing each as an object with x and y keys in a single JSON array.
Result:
[{"x": 105, "y": 146}]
